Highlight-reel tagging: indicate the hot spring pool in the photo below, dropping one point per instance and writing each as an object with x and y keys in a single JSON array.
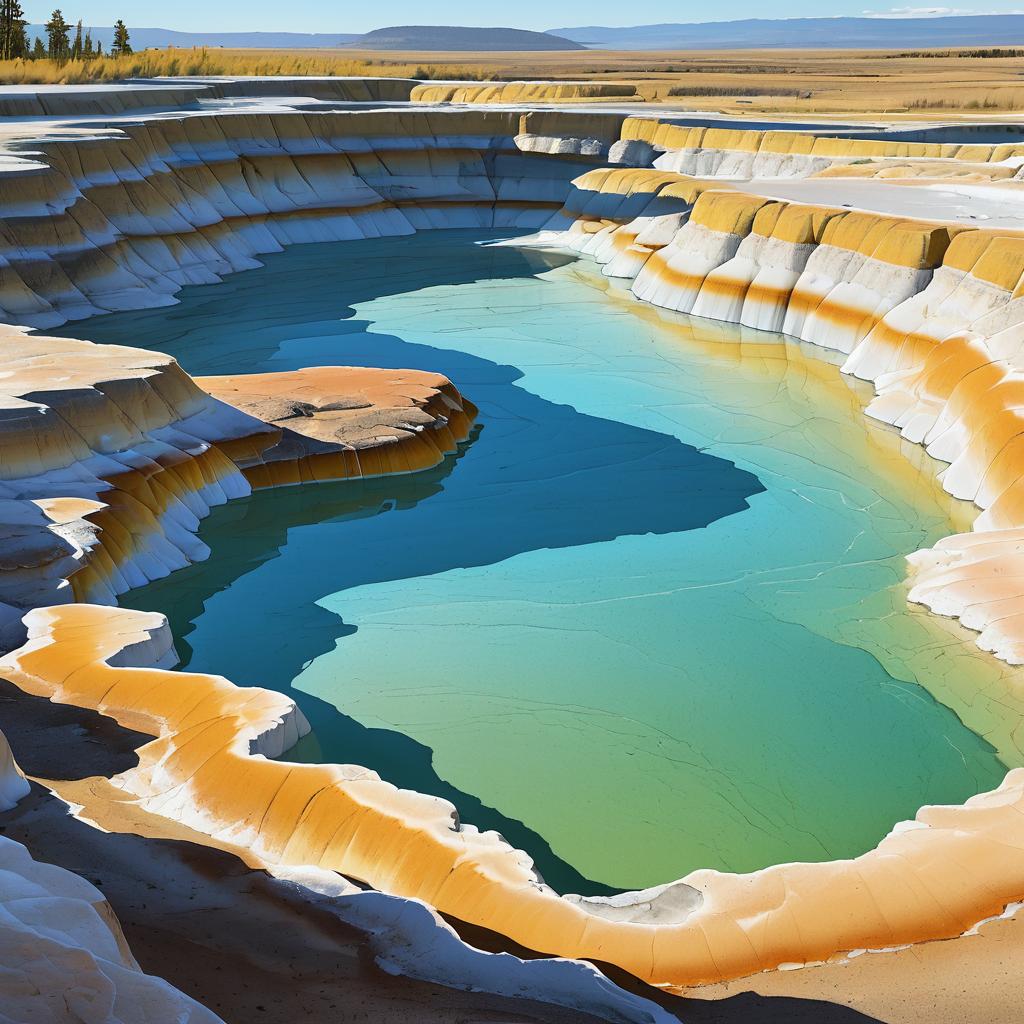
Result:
[{"x": 650, "y": 618}]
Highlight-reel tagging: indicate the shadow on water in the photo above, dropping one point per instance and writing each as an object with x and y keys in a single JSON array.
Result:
[
  {"x": 306, "y": 294},
  {"x": 538, "y": 475},
  {"x": 603, "y": 480}
]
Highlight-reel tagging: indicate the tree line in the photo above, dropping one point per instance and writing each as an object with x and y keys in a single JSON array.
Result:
[{"x": 60, "y": 46}]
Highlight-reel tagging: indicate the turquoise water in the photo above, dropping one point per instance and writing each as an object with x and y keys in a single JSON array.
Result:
[{"x": 651, "y": 618}]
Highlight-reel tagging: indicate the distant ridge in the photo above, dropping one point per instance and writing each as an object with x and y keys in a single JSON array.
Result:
[
  {"x": 808, "y": 33},
  {"x": 454, "y": 38},
  {"x": 436, "y": 38}
]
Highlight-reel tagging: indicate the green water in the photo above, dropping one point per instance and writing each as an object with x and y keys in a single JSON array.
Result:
[{"x": 652, "y": 618}]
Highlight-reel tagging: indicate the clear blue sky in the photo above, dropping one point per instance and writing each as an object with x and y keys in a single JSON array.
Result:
[{"x": 332, "y": 16}]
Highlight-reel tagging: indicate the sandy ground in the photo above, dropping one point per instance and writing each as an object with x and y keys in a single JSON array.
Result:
[{"x": 972, "y": 979}]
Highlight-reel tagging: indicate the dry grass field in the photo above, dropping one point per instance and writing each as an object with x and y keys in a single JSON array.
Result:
[
  {"x": 179, "y": 62},
  {"x": 782, "y": 81},
  {"x": 796, "y": 82},
  {"x": 808, "y": 82}
]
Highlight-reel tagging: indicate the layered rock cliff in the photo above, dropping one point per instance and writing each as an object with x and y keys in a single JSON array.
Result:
[
  {"x": 65, "y": 959},
  {"x": 111, "y": 457},
  {"x": 121, "y": 219},
  {"x": 929, "y": 312}
]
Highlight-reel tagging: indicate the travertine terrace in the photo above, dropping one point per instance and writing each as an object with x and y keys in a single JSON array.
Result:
[{"x": 111, "y": 456}]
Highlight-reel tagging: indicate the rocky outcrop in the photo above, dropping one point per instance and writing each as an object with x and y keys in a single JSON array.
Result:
[
  {"x": 519, "y": 92},
  {"x": 342, "y": 422},
  {"x": 110, "y": 456},
  {"x": 64, "y": 957}
]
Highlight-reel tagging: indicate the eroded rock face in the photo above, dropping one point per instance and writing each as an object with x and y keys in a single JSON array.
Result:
[
  {"x": 109, "y": 458},
  {"x": 63, "y": 954},
  {"x": 100, "y": 220}
]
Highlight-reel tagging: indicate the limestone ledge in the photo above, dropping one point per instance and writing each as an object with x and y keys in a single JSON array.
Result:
[
  {"x": 338, "y": 422},
  {"x": 111, "y": 456},
  {"x": 762, "y": 153},
  {"x": 114, "y": 99},
  {"x": 109, "y": 219},
  {"x": 929, "y": 312},
  {"x": 94, "y": 218},
  {"x": 65, "y": 959}
]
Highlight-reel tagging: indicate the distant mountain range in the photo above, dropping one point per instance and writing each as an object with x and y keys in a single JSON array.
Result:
[
  {"x": 808, "y": 33},
  {"x": 406, "y": 37},
  {"x": 753, "y": 33},
  {"x": 454, "y": 38}
]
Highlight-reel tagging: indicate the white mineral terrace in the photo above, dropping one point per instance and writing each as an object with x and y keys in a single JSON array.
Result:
[{"x": 895, "y": 248}]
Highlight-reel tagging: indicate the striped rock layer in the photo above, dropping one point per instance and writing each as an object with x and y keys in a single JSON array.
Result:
[
  {"x": 94, "y": 219},
  {"x": 111, "y": 456},
  {"x": 120, "y": 219},
  {"x": 930, "y": 312},
  {"x": 760, "y": 153},
  {"x": 115, "y": 219}
]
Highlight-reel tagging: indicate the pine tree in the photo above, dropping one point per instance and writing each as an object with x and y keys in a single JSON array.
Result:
[
  {"x": 99, "y": 47},
  {"x": 57, "y": 32},
  {"x": 38, "y": 50},
  {"x": 12, "y": 28},
  {"x": 87, "y": 51},
  {"x": 121, "y": 47},
  {"x": 21, "y": 50},
  {"x": 76, "y": 46}
]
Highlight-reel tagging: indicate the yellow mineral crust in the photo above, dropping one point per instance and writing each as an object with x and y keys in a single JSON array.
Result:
[
  {"x": 935, "y": 879},
  {"x": 919, "y": 172},
  {"x": 519, "y": 92},
  {"x": 670, "y": 137}
]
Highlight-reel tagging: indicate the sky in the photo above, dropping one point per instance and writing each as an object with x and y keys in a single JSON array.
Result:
[{"x": 331, "y": 16}]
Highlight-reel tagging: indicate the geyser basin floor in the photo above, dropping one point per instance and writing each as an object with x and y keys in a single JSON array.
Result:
[{"x": 538, "y": 631}]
